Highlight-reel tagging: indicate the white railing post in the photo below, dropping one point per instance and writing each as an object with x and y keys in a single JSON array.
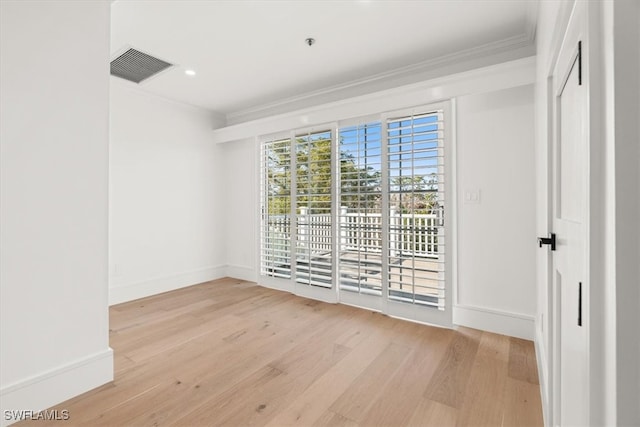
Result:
[
  {"x": 303, "y": 230},
  {"x": 429, "y": 227},
  {"x": 303, "y": 220},
  {"x": 343, "y": 228},
  {"x": 393, "y": 230},
  {"x": 440, "y": 233}
]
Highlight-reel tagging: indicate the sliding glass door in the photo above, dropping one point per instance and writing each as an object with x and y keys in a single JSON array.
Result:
[
  {"x": 297, "y": 226},
  {"x": 416, "y": 207},
  {"x": 313, "y": 209},
  {"x": 276, "y": 232},
  {"x": 361, "y": 230},
  {"x": 356, "y": 213}
]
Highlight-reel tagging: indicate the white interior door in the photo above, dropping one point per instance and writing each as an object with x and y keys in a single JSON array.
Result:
[{"x": 569, "y": 184}]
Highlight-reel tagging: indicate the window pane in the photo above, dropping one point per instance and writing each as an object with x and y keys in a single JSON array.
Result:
[
  {"x": 360, "y": 230},
  {"x": 275, "y": 254},
  {"x": 416, "y": 232},
  {"x": 313, "y": 201}
]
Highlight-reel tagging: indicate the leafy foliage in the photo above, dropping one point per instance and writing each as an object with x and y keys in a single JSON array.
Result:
[
  {"x": 359, "y": 186},
  {"x": 414, "y": 194}
]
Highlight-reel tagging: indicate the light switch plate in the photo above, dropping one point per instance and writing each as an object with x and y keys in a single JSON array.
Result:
[{"x": 472, "y": 196}]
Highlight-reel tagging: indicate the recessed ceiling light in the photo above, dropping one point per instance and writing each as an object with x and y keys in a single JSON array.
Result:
[{"x": 190, "y": 72}]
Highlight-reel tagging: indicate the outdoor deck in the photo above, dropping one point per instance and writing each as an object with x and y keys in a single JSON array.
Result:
[
  {"x": 411, "y": 278},
  {"x": 415, "y": 246}
]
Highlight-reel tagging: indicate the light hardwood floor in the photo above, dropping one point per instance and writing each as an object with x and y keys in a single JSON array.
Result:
[{"x": 229, "y": 352}]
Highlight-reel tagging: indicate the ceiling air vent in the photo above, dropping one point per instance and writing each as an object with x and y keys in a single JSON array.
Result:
[{"x": 137, "y": 66}]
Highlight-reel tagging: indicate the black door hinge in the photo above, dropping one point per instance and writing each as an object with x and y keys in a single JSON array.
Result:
[
  {"x": 579, "y": 303},
  {"x": 580, "y": 63}
]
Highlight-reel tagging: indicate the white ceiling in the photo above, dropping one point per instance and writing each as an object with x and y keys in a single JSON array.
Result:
[{"x": 249, "y": 54}]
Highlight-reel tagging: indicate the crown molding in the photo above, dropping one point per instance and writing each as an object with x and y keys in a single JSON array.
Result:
[
  {"x": 217, "y": 119},
  {"x": 531, "y": 20},
  {"x": 499, "y": 76},
  {"x": 521, "y": 41}
]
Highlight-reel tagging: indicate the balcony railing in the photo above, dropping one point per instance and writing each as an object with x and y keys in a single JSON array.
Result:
[{"x": 362, "y": 232}]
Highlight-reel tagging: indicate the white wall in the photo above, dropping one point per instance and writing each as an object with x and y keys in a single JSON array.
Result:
[
  {"x": 166, "y": 228},
  {"x": 54, "y": 201},
  {"x": 496, "y": 235},
  {"x": 624, "y": 27},
  {"x": 240, "y": 208}
]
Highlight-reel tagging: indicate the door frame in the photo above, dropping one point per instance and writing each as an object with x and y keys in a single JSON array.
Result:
[
  {"x": 584, "y": 24},
  {"x": 411, "y": 312},
  {"x": 291, "y": 285},
  {"x": 382, "y": 303},
  {"x": 569, "y": 59}
]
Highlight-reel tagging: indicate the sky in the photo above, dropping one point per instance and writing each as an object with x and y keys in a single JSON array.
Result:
[{"x": 412, "y": 150}]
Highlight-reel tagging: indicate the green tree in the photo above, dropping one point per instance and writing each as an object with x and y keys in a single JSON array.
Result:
[
  {"x": 313, "y": 174},
  {"x": 360, "y": 186},
  {"x": 414, "y": 194},
  {"x": 278, "y": 170}
]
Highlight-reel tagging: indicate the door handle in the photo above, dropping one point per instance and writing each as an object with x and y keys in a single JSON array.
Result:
[{"x": 551, "y": 240}]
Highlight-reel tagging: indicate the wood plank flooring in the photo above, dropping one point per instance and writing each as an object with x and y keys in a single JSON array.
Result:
[{"x": 229, "y": 352}]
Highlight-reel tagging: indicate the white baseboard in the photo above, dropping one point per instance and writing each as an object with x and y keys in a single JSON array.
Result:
[
  {"x": 543, "y": 377},
  {"x": 241, "y": 272},
  {"x": 499, "y": 322},
  {"x": 56, "y": 385},
  {"x": 132, "y": 291}
]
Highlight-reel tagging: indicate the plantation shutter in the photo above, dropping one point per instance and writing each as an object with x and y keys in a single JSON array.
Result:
[
  {"x": 360, "y": 214},
  {"x": 416, "y": 209},
  {"x": 366, "y": 195},
  {"x": 313, "y": 202},
  {"x": 275, "y": 251}
]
